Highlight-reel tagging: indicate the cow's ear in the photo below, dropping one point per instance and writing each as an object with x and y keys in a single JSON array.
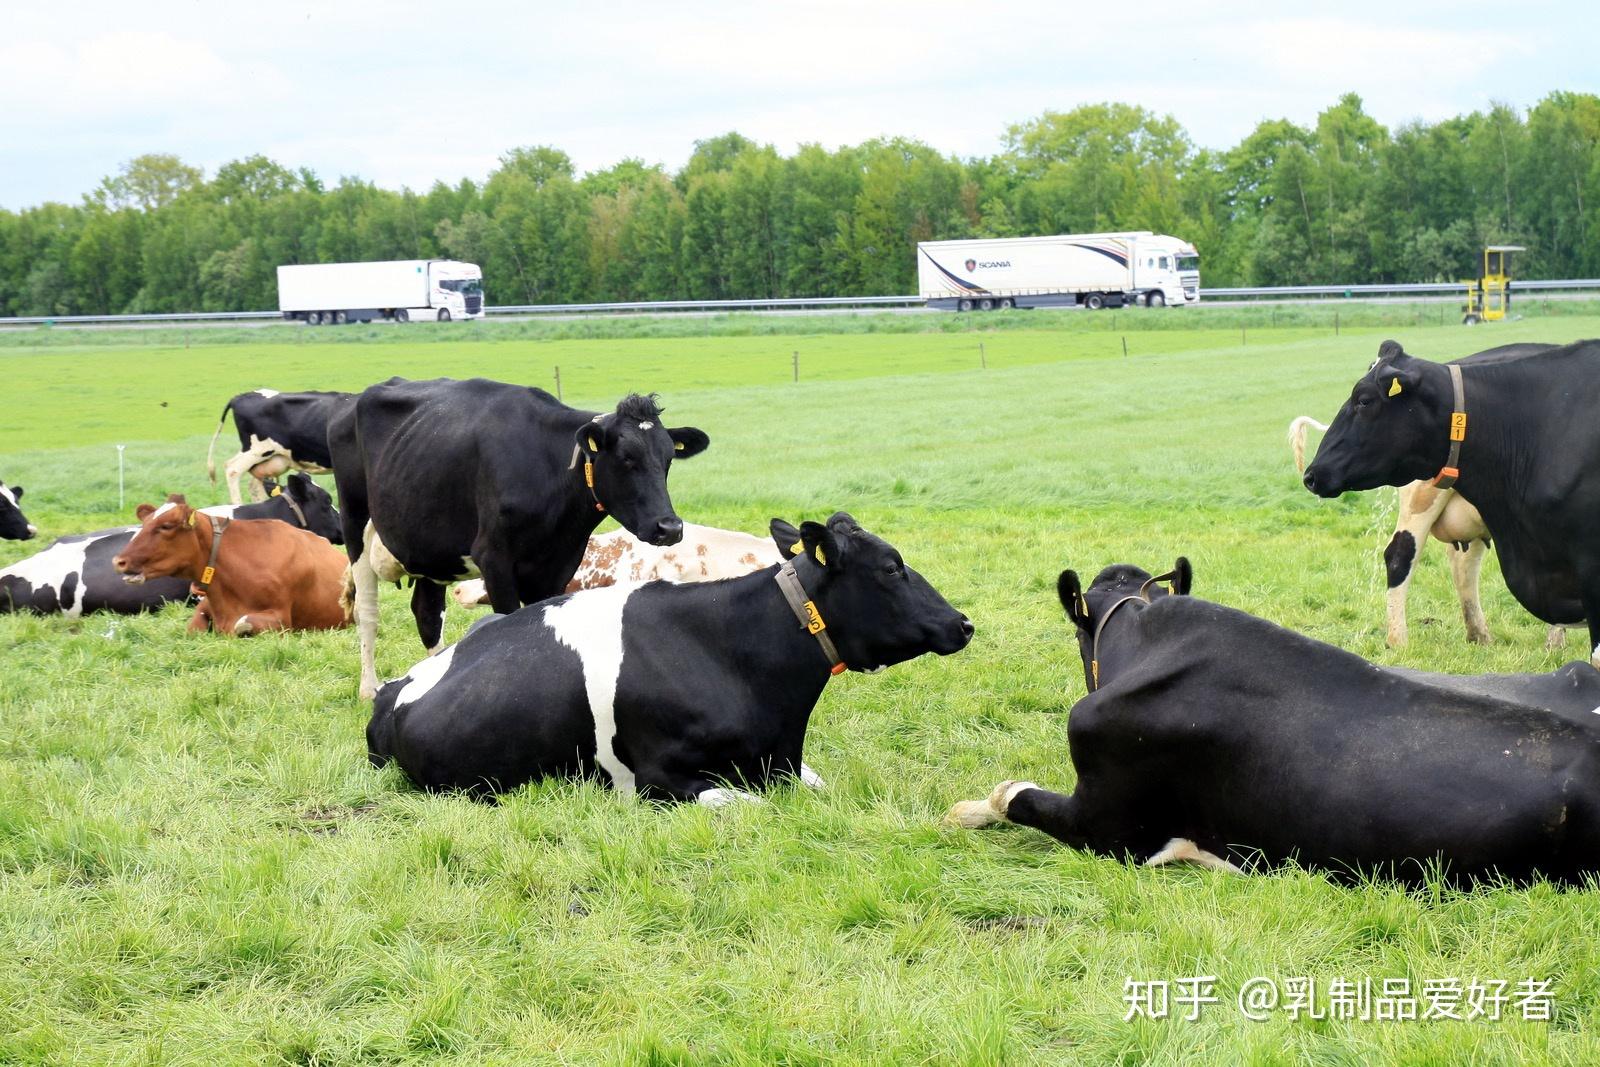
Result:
[
  {"x": 822, "y": 546},
  {"x": 786, "y": 537},
  {"x": 593, "y": 438},
  {"x": 144, "y": 511},
  {"x": 177, "y": 498},
  {"x": 687, "y": 441},
  {"x": 16, "y": 492},
  {"x": 1389, "y": 350},
  {"x": 1393, "y": 382},
  {"x": 1070, "y": 590},
  {"x": 1183, "y": 576}
]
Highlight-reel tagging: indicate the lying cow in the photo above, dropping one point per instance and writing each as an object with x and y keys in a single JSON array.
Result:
[
  {"x": 706, "y": 554},
  {"x": 1425, "y": 509},
  {"x": 74, "y": 576},
  {"x": 13, "y": 525},
  {"x": 1214, "y": 737},
  {"x": 252, "y": 575},
  {"x": 444, "y": 480},
  {"x": 1516, "y": 438},
  {"x": 677, "y": 692},
  {"x": 278, "y": 432}
]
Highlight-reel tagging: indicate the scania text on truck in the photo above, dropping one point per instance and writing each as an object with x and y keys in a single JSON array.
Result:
[
  {"x": 405, "y": 290},
  {"x": 1092, "y": 270}
]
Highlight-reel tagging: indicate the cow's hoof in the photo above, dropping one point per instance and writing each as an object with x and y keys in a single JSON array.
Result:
[
  {"x": 722, "y": 798},
  {"x": 811, "y": 779},
  {"x": 244, "y": 628},
  {"x": 976, "y": 814}
]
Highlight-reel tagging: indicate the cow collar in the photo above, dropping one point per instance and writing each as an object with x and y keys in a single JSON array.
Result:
[
  {"x": 805, "y": 609},
  {"x": 300, "y": 516},
  {"x": 588, "y": 468},
  {"x": 1094, "y": 645},
  {"x": 218, "y": 525},
  {"x": 1451, "y": 470}
]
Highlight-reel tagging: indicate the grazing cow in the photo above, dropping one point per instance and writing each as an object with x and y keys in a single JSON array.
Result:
[
  {"x": 705, "y": 554},
  {"x": 444, "y": 480},
  {"x": 1528, "y": 460},
  {"x": 278, "y": 432},
  {"x": 74, "y": 576},
  {"x": 13, "y": 526},
  {"x": 1214, "y": 737},
  {"x": 676, "y": 692},
  {"x": 253, "y": 575},
  {"x": 1425, "y": 509}
]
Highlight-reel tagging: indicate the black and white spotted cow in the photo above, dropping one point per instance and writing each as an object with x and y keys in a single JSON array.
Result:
[
  {"x": 278, "y": 432},
  {"x": 443, "y": 480},
  {"x": 14, "y": 526},
  {"x": 1213, "y": 737},
  {"x": 690, "y": 692},
  {"x": 74, "y": 575}
]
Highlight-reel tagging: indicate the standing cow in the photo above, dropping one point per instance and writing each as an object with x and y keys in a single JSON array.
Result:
[
  {"x": 278, "y": 432},
  {"x": 676, "y": 692},
  {"x": 1517, "y": 439},
  {"x": 443, "y": 480},
  {"x": 1213, "y": 737},
  {"x": 13, "y": 525},
  {"x": 74, "y": 575}
]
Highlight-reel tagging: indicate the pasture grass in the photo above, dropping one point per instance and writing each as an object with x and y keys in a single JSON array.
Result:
[{"x": 198, "y": 865}]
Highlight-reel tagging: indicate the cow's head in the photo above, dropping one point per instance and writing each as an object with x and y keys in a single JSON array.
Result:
[
  {"x": 877, "y": 610},
  {"x": 13, "y": 527},
  {"x": 315, "y": 503},
  {"x": 1391, "y": 431},
  {"x": 631, "y": 453},
  {"x": 1118, "y": 582},
  {"x": 167, "y": 543}
]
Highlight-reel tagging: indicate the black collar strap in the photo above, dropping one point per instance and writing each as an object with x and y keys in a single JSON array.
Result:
[
  {"x": 218, "y": 525},
  {"x": 588, "y": 468},
  {"x": 806, "y": 611},
  {"x": 1094, "y": 646},
  {"x": 299, "y": 515},
  {"x": 1458, "y": 432}
]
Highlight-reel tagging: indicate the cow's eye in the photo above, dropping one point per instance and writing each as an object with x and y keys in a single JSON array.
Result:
[{"x": 1363, "y": 402}]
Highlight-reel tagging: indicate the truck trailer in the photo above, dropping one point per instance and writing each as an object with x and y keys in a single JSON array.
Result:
[
  {"x": 1092, "y": 270},
  {"x": 405, "y": 290}
]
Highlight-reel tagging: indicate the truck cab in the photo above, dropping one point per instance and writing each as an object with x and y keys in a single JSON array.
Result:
[
  {"x": 1166, "y": 272},
  {"x": 456, "y": 289}
]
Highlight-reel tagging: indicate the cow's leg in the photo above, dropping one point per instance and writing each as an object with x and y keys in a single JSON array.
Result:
[
  {"x": 259, "y": 622},
  {"x": 722, "y": 797},
  {"x": 1182, "y": 850},
  {"x": 233, "y": 470},
  {"x": 1555, "y": 637},
  {"x": 499, "y": 573},
  {"x": 200, "y": 621},
  {"x": 366, "y": 613},
  {"x": 427, "y": 607},
  {"x": 1464, "y": 567},
  {"x": 976, "y": 814},
  {"x": 811, "y": 779},
  {"x": 1419, "y": 507}
]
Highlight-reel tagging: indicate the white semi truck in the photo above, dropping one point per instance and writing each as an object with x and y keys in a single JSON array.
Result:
[
  {"x": 1092, "y": 270},
  {"x": 405, "y": 290}
]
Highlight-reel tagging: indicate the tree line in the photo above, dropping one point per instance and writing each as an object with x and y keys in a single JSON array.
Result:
[{"x": 1344, "y": 201}]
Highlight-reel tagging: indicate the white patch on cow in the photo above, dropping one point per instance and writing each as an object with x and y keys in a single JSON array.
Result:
[
  {"x": 50, "y": 569},
  {"x": 1594, "y": 711},
  {"x": 268, "y": 393},
  {"x": 9, "y": 499},
  {"x": 1182, "y": 850},
  {"x": 810, "y": 778},
  {"x": 443, "y": 610},
  {"x": 721, "y": 798},
  {"x": 469, "y": 569},
  {"x": 590, "y": 623},
  {"x": 647, "y": 426},
  {"x": 976, "y": 814},
  {"x": 424, "y": 676},
  {"x": 162, "y": 510},
  {"x": 380, "y": 559},
  {"x": 471, "y": 593},
  {"x": 1594, "y": 657}
]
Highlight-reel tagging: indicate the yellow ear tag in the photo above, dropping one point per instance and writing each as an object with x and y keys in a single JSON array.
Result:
[
  {"x": 192, "y": 514},
  {"x": 277, "y": 490},
  {"x": 1394, "y": 387},
  {"x": 679, "y": 445},
  {"x": 820, "y": 557},
  {"x": 592, "y": 446}
]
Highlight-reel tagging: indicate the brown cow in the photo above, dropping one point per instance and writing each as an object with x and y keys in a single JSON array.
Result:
[{"x": 252, "y": 575}]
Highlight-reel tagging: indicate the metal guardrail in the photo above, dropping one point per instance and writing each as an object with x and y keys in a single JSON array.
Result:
[{"x": 1352, "y": 292}]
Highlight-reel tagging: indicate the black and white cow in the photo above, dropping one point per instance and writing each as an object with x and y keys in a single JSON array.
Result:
[
  {"x": 676, "y": 692},
  {"x": 444, "y": 480},
  {"x": 278, "y": 432},
  {"x": 14, "y": 526},
  {"x": 74, "y": 576},
  {"x": 1524, "y": 449},
  {"x": 1218, "y": 738}
]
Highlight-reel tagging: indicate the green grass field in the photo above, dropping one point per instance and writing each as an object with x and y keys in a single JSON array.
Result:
[{"x": 197, "y": 864}]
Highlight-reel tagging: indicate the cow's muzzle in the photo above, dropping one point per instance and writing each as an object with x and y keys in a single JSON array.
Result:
[
  {"x": 1318, "y": 483},
  {"x": 667, "y": 532}
]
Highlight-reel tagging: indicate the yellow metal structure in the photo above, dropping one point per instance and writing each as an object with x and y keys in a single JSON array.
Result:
[{"x": 1489, "y": 298}]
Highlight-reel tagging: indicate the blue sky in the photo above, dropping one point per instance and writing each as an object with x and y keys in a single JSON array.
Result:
[{"x": 404, "y": 93}]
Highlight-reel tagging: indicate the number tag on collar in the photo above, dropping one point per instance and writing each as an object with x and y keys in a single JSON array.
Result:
[
  {"x": 814, "y": 623},
  {"x": 207, "y": 574},
  {"x": 1458, "y": 426}
]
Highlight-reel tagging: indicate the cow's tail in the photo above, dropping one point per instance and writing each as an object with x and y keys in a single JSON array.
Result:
[
  {"x": 211, "y": 458},
  {"x": 1297, "y": 438}
]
